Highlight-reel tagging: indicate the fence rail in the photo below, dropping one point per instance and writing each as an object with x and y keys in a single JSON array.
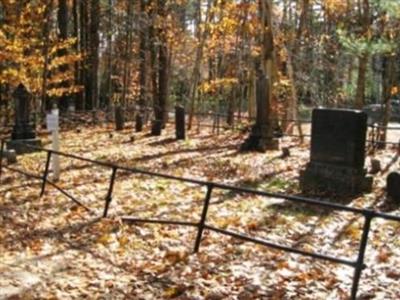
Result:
[{"x": 202, "y": 225}]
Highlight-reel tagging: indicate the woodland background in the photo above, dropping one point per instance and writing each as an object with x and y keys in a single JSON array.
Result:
[{"x": 203, "y": 54}]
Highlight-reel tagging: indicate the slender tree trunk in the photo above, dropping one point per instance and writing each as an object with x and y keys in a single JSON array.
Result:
[
  {"x": 93, "y": 101},
  {"x": 75, "y": 14},
  {"x": 110, "y": 70},
  {"x": 83, "y": 42},
  {"x": 163, "y": 65},
  {"x": 143, "y": 37},
  {"x": 201, "y": 37},
  {"x": 46, "y": 36},
  {"x": 128, "y": 50},
  {"x": 63, "y": 36},
  {"x": 363, "y": 59}
]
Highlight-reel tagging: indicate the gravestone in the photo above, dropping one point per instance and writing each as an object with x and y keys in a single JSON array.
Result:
[
  {"x": 119, "y": 118},
  {"x": 180, "y": 122},
  {"x": 139, "y": 122},
  {"x": 23, "y": 131},
  {"x": 336, "y": 166},
  {"x": 10, "y": 156},
  {"x": 156, "y": 127},
  {"x": 393, "y": 186}
]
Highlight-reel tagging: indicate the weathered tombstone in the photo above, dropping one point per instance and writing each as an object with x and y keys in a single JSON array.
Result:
[
  {"x": 119, "y": 118},
  {"x": 10, "y": 156},
  {"x": 156, "y": 127},
  {"x": 393, "y": 186},
  {"x": 23, "y": 132},
  {"x": 261, "y": 137},
  {"x": 139, "y": 122},
  {"x": 180, "y": 122},
  {"x": 337, "y": 153}
]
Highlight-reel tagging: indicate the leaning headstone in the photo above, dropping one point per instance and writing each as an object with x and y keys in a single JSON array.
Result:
[
  {"x": 393, "y": 186},
  {"x": 119, "y": 118},
  {"x": 180, "y": 122},
  {"x": 23, "y": 132},
  {"x": 337, "y": 153}
]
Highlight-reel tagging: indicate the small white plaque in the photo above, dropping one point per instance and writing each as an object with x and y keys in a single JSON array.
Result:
[{"x": 52, "y": 121}]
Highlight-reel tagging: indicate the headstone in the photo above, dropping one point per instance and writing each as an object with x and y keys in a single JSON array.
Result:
[
  {"x": 393, "y": 186},
  {"x": 23, "y": 131},
  {"x": 139, "y": 122},
  {"x": 180, "y": 122},
  {"x": 156, "y": 127},
  {"x": 53, "y": 126},
  {"x": 119, "y": 118},
  {"x": 10, "y": 156},
  {"x": 375, "y": 166},
  {"x": 338, "y": 140}
]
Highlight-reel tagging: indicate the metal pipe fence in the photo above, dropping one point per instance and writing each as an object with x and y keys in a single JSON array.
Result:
[{"x": 368, "y": 214}]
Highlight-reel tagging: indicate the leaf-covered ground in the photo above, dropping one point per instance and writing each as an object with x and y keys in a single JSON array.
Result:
[{"x": 50, "y": 248}]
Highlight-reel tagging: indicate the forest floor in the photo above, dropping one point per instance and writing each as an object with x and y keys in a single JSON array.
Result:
[{"x": 51, "y": 248}]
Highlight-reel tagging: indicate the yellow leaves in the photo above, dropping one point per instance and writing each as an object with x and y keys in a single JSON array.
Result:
[
  {"x": 220, "y": 83},
  {"x": 24, "y": 46},
  {"x": 173, "y": 291},
  {"x": 105, "y": 239}
]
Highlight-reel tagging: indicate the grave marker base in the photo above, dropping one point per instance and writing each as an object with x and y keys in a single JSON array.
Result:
[
  {"x": 20, "y": 148},
  {"x": 328, "y": 178}
]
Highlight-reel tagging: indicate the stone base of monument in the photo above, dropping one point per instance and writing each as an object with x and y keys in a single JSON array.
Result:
[
  {"x": 20, "y": 145},
  {"x": 260, "y": 140},
  {"x": 333, "y": 179}
]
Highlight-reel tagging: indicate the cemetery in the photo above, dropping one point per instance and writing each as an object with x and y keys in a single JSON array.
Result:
[
  {"x": 146, "y": 196},
  {"x": 199, "y": 150}
]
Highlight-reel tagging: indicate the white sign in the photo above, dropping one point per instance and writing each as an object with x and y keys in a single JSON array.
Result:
[{"x": 52, "y": 121}]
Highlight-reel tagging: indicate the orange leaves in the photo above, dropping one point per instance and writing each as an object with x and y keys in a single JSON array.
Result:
[{"x": 336, "y": 7}]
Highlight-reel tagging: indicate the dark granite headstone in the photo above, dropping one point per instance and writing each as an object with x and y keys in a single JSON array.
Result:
[
  {"x": 23, "y": 131},
  {"x": 139, "y": 122},
  {"x": 156, "y": 127},
  {"x": 180, "y": 122},
  {"x": 393, "y": 186},
  {"x": 337, "y": 153},
  {"x": 119, "y": 118}
]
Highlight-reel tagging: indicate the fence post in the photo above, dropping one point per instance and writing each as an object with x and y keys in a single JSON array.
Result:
[
  {"x": 110, "y": 191},
  {"x": 1, "y": 156},
  {"x": 46, "y": 173},
  {"x": 361, "y": 253},
  {"x": 210, "y": 187}
]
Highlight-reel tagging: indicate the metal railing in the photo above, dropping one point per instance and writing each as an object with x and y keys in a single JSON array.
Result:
[{"x": 202, "y": 225}]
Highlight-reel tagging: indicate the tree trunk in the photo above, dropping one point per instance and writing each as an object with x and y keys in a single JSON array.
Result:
[
  {"x": 45, "y": 51},
  {"x": 92, "y": 85},
  {"x": 143, "y": 36},
  {"x": 75, "y": 10},
  {"x": 261, "y": 137},
  {"x": 363, "y": 58},
  {"x": 83, "y": 41},
  {"x": 128, "y": 48},
  {"x": 201, "y": 38},
  {"x": 63, "y": 18},
  {"x": 362, "y": 72}
]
